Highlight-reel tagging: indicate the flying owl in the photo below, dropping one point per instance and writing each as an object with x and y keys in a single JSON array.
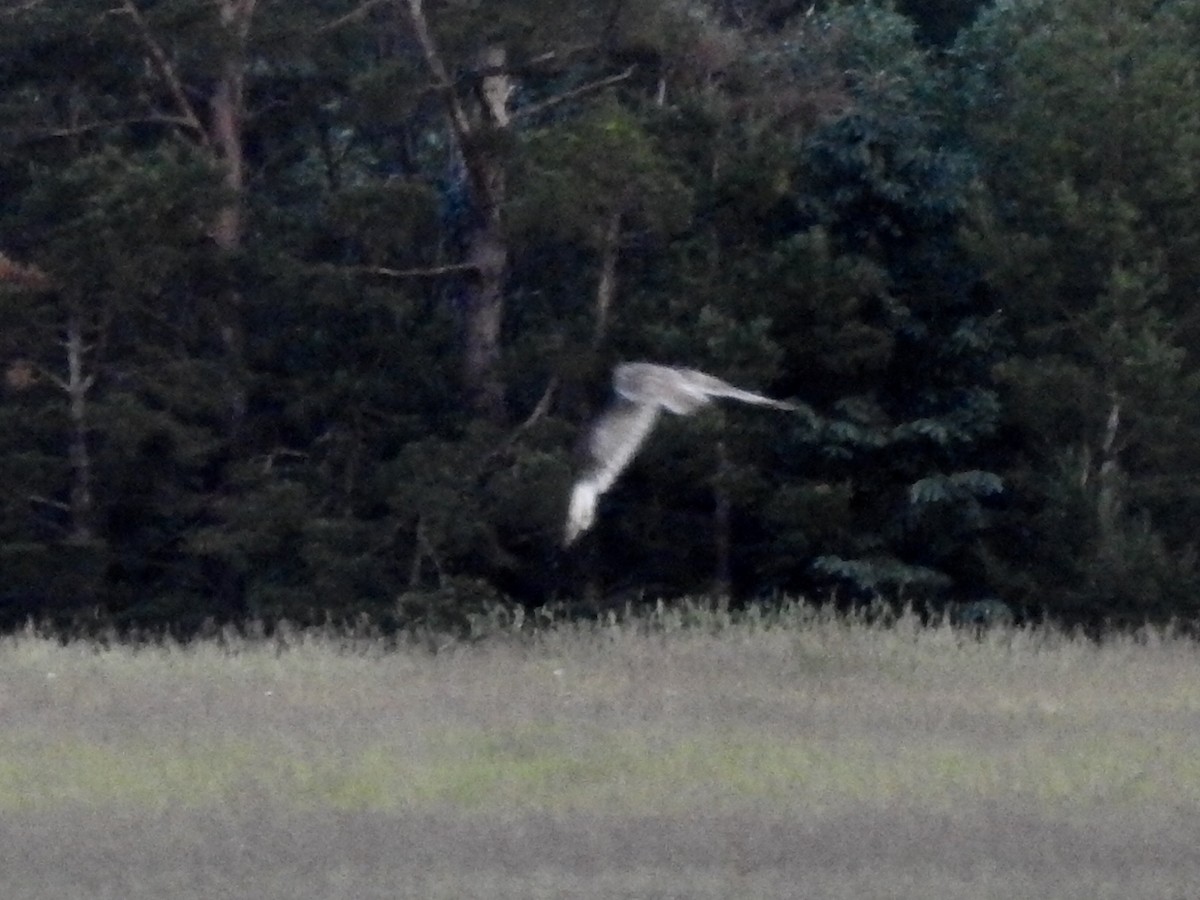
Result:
[{"x": 642, "y": 391}]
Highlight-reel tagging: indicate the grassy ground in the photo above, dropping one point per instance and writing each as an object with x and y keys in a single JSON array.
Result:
[{"x": 814, "y": 758}]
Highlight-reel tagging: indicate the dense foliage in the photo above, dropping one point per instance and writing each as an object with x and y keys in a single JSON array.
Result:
[{"x": 304, "y": 304}]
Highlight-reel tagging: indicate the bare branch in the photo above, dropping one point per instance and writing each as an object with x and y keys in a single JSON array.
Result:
[
  {"x": 437, "y": 68},
  {"x": 46, "y": 501},
  {"x": 19, "y": 8},
  {"x": 76, "y": 383},
  {"x": 166, "y": 71},
  {"x": 75, "y": 130},
  {"x": 61, "y": 383},
  {"x": 354, "y": 15},
  {"x": 541, "y": 408},
  {"x": 421, "y": 272},
  {"x": 561, "y": 53},
  {"x": 535, "y": 108},
  {"x": 481, "y": 177}
]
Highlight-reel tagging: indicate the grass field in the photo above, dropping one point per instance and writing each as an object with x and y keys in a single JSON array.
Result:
[{"x": 804, "y": 757}]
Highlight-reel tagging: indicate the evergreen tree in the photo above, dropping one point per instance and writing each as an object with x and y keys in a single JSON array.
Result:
[
  {"x": 304, "y": 304},
  {"x": 1088, "y": 130},
  {"x": 824, "y": 262}
]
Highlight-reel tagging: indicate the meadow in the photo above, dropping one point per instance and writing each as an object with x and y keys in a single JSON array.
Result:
[{"x": 669, "y": 756}]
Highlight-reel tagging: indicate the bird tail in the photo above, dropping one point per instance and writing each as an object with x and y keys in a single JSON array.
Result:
[{"x": 582, "y": 510}]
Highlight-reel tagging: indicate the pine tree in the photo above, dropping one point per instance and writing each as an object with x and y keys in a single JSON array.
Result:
[{"x": 1088, "y": 131}]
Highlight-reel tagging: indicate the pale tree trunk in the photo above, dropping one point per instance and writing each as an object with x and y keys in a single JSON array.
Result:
[
  {"x": 722, "y": 527},
  {"x": 76, "y": 387},
  {"x": 1108, "y": 498},
  {"x": 473, "y": 117},
  {"x": 606, "y": 286},
  {"x": 1107, "y": 475},
  {"x": 227, "y": 123},
  {"x": 487, "y": 251},
  {"x": 80, "y": 506},
  {"x": 487, "y": 243}
]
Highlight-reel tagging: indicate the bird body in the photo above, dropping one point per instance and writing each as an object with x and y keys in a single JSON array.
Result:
[{"x": 643, "y": 390}]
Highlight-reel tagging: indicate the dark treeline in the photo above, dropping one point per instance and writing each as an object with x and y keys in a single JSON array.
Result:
[{"x": 303, "y": 304}]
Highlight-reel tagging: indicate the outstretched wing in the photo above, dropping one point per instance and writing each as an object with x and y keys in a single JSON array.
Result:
[
  {"x": 613, "y": 441},
  {"x": 715, "y": 387},
  {"x": 682, "y": 391},
  {"x": 615, "y": 438}
]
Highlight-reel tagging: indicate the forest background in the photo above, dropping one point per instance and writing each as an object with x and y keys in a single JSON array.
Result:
[{"x": 303, "y": 305}]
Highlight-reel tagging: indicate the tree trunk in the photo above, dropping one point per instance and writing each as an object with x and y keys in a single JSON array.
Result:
[
  {"x": 1108, "y": 498},
  {"x": 606, "y": 287},
  {"x": 487, "y": 243},
  {"x": 76, "y": 387},
  {"x": 222, "y": 137},
  {"x": 722, "y": 528},
  {"x": 487, "y": 251},
  {"x": 227, "y": 108}
]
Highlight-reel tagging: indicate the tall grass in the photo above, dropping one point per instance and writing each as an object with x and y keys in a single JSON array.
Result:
[{"x": 684, "y": 752}]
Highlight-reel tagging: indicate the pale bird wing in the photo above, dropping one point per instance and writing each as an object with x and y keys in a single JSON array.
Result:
[
  {"x": 613, "y": 441},
  {"x": 681, "y": 391},
  {"x": 715, "y": 387}
]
